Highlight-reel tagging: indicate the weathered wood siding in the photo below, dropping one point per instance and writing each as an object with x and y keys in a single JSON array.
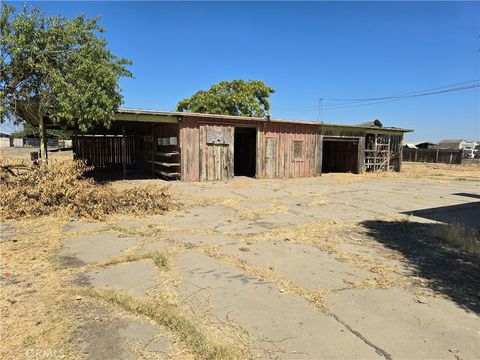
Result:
[
  {"x": 278, "y": 153},
  {"x": 105, "y": 152},
  {"x": 189, "y": 138},
  {"x": 275, "y": 150},
  {"x": 202, "y": 161},
  {"x": 216, "y": 159}
]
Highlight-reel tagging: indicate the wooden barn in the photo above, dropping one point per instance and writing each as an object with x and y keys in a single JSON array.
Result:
[{"x": 198, "y": 147}]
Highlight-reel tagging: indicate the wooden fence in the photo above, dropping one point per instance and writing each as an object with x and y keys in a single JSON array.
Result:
[
  {"x": 447, "y": 156},
  {"x": 105, "y": 152}
]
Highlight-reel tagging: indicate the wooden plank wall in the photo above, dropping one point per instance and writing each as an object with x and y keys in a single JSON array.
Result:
[
  {"x": 446, "y": 156},
  {"x": 216, "y": 160},
  {"x": 285, "y": 134},
  {"x": 194, "y": 164},
  {"x": 193, "y": 160},
  {"x": 104, "y": 152},
  {"x": 189, "y": 140},
  {"x": 201, "y": 162}
]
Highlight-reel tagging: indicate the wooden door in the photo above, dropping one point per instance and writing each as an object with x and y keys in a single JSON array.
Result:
[
  {"x": 271, "y": 157},
  {"x": 216, "y": 152}
]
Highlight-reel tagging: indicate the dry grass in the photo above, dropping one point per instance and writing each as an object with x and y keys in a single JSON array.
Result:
[
  {"x": 35, "y": 310},
  {"x": 317, "y": 202},
  {"x": 435, "y": 172},
  {"x": 459, "y": 236},
  {"x": 61, "y": 188},
  {"x": 438, "y": 173},
  {"x": 251, "y": 213}
]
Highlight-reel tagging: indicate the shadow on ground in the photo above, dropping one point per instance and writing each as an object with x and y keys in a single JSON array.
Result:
[
  {"x": 451, "y": 272},
  {"x": 468, "y": 214},
  {"x": 103, "y": 176}
]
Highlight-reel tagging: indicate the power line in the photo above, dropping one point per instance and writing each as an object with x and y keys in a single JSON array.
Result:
[
  {"x": 414, "y": 93},
  {"x": 342, "y": 106},
  {"x": 370, "y": 101},
  {"x": 394, "y": 96}
]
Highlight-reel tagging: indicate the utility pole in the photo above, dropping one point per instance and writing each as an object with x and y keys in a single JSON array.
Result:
[{"x": 319, "y": 113}]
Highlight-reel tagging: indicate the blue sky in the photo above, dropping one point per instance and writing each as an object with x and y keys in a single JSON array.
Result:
[{"x": 305, "y": 51}]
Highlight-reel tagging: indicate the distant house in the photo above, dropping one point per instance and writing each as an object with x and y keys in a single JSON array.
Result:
[
  {"x": 420, "y": 145},
  {"x": 425, "y": 145},
  {"x": 33, "y": 140},
  {"x": 452, "y": 144},
  {"x": 469, "y": 150},
  {"x": 4, "y": 140}
]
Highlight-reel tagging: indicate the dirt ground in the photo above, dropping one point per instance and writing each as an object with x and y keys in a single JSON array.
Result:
[{"x": 335, "y": 267}]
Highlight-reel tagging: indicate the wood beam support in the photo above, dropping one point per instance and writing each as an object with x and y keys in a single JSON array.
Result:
[{"x": 124, "y": 153}]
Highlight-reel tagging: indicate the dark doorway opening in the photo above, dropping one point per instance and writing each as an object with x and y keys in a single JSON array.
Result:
[
  {"x": 340, "y": 156},
  {"x": 245, "y": 151}
]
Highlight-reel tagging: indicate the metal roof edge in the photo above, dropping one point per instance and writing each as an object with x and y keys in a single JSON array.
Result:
[{"x": 134, "y": 111}]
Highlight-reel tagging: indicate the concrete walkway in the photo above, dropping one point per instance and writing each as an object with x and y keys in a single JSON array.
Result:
[{"x": 305, "y": 269}]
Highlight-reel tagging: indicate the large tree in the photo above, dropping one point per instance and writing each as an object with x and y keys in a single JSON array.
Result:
[
  {"x": 57, "y": 69},
  {"x": 236, "y": 97}
]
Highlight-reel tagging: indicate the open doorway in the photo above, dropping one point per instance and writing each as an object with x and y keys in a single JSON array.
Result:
[
  {"x": 340, "y": 155},
  {"x": 245, "y": 151}
]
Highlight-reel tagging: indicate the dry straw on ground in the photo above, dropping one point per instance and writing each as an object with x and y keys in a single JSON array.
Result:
[{"x": 61, "y": 188}]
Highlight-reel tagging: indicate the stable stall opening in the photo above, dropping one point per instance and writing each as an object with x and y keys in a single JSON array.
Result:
[
  {"x": 245, "y": 151},
  {"x": 340, "y": 155},
  {"x": 131, "y": 149}
]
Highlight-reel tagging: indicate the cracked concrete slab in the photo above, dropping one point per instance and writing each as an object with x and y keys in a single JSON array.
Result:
[
  {"x": 78, "y": 226},
  {"x": 304, "y": 265},
  {"x": 154, "y": 245},
  {"x": 138, "y": 277},
  {"x": 243, "y": 228},
  {"x": 407, "y": 327},
  {"x": 97, "y": 247},
  {"x": 107, "y": 336},
  {"x": 365, "y": 323},
  {"x": 145, "y": 338},
  {"x": 291, "y": 218},
  {"x": 282, "y": 325},
  {"x": 203, "y": 217}
]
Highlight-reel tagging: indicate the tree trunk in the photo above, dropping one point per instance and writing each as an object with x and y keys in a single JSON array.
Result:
[{"x": 43, "y": 139}]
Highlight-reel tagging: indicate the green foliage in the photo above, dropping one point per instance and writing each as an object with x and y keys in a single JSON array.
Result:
[
  {"x": 236, "y": 97},
  {"x": 60, "y": 65}
]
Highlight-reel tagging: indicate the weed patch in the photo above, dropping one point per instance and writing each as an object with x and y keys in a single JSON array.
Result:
[
  {"x": 158, "y": 258},
  {"x": 166, "y": 315}
]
